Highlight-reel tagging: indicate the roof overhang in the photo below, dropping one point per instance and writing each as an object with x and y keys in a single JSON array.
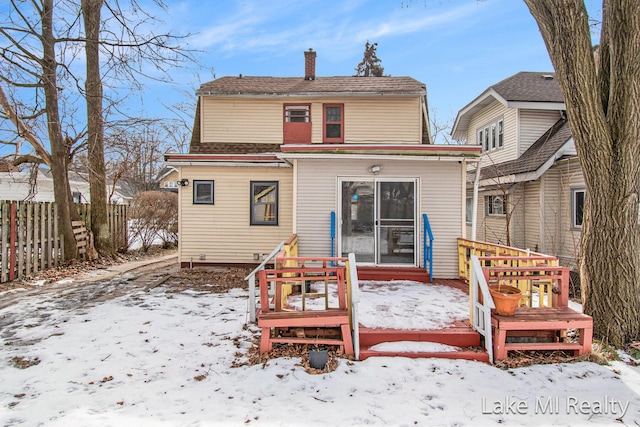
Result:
[
  {"x": 247, "y": 160},
  {"x": 532, "y": 175},
  {"x": 386, "y": 150},
  {"x": 341, "y": 94}
]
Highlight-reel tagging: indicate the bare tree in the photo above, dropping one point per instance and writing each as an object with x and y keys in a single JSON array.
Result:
[
  {"x": 603, "y": 107},
  {"x": 23, "y": 33},
  {"x": 95, "y": 127}
]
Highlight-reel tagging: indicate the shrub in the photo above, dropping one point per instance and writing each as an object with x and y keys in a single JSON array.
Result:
[{"x": 154, "y": 215}]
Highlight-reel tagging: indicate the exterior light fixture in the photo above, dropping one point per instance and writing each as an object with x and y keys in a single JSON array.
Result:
[
  {"x": 183, "y": 182},
  {"x": 375, "y": 169}
]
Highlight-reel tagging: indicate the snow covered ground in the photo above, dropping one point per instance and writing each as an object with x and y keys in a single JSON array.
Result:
[{"x": 164, "y": 359}]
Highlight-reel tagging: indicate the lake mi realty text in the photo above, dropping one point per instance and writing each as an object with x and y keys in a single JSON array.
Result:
[{"x": 551, "y": 405}]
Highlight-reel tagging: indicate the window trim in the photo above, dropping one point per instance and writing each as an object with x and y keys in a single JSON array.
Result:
[
  {"x": 252, "y": 204},
  {"x": 489, "y": 205},
  {"x": 296, "y": 107},
  {"x": 490, "y": 136},
  {"x": 196, "y": 184},
  {"x": 574, "y": 192},
  {"x": 326, "y": 139},
  {"x": 468, "y": 211}
]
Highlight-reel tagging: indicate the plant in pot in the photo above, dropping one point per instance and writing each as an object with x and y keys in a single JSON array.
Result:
[{"x": 505, "y": 297}]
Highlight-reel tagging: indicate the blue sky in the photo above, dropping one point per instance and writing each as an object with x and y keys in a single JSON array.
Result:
[{"x": 456, "y": 47}]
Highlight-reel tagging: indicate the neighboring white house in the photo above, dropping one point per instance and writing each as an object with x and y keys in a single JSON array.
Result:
[
  {"x": 531, "y": 187},
  {"x": 25, "y": 186}
]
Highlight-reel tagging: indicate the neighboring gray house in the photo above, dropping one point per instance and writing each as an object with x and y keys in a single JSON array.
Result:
[{"x": 530, "y": 189}]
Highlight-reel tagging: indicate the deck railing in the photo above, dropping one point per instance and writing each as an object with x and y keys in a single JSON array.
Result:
[
  {"x": 466, "y": 248},
  {"x": 353, "y": 299},
  {"x": 251, "y": 279},
  {"x": 481, "y": 303}
]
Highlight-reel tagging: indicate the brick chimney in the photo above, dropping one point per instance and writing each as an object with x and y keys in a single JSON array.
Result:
[{"x": 309, "y": 65}]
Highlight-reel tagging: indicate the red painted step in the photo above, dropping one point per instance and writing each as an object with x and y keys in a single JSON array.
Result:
[
  {"x": 385, "y": 274},
  {"x": 464, "y": 354},
  {"x": 460, "y": 335}
]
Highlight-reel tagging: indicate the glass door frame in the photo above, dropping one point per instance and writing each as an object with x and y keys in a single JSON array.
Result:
[{"x": 375, "y": 182}]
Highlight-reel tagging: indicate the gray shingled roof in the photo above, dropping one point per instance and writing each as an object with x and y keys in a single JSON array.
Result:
[
  {"x": 528, "y": 86},
  {"x": 247, "y": 85},
  {"x": 535, "y": 156}
]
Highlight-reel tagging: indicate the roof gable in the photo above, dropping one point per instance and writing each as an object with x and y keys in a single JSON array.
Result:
[{"x": 526, "y": 89}]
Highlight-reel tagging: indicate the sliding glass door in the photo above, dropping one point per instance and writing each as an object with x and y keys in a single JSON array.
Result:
[{"x": 378, "y": 221}]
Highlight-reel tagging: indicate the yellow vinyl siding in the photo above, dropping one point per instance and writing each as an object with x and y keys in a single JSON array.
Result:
[
  {"x": 533, "y": 124},
  {"x": 241, "y": 121},
  {"x": 385, "y": 120},
  {"x": 222, "y": 231},
  {"x": 439, "y": 193}
]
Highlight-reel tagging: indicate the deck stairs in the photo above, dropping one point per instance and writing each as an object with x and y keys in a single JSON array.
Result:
[
  {"x": 459, "y": 335},
  {"x": 465, "y": 340}
]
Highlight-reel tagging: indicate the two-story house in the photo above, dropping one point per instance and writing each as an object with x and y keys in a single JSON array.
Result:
[
  {"x": 530, "y": 187},
  {"x": 345, "y": 163}
]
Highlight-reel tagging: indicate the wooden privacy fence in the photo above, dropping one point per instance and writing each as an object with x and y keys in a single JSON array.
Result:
[{"x": 30, "y": 241}]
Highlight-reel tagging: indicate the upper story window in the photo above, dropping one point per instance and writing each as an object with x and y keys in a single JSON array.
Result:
[
  {"x": 297, "y": 113},
  {"x": 495, "y": 205},
  {"x": 170, "y": 184},
  {"x": 297, "y": 124},
  {"x": 333, "y": 123},
  {"x": 491, "y": 136},
  {"x": 577, "y": 207}
]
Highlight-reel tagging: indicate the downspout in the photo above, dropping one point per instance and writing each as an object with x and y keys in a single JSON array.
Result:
[
  {"x": 474, "y": 216},
  {"x": 425, "y": 114}
]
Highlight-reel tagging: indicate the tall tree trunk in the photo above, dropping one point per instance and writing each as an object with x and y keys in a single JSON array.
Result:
[
  {"x": 95, "y": 128},
  {"x": 603, "y": 107},
  {"x": 59, "y": 151}
]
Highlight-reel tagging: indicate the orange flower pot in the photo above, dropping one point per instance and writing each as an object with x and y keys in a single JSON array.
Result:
[{"x": 505, "y": 298}]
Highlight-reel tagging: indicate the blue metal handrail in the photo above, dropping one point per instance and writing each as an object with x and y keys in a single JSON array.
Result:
[
  {"x": 427, "y": 246},
  {"x": 333, "y": 234}
]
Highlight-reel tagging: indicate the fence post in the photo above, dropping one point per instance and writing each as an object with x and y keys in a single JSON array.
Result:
[{"x": 12, "y": 241}]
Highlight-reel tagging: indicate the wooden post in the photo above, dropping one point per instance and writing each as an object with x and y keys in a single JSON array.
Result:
[
  {"x": 29, "y": 239},
  {"x": 21, "y": 242},
  {"x": 42, "y": 237},
  {"x": 12, "y": 242},
  {"x": 4, "y": 237}
]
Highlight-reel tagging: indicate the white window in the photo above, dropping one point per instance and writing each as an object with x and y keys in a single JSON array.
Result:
[
  {"x": 577, "y": 207},
  {"x": 495, "y": 205},
  {"x": 491, "y": 137},
  {"x": 203, "y": 192},
  {"x": 170, "y": 184},
  {"x": 297, "y": 113}
]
